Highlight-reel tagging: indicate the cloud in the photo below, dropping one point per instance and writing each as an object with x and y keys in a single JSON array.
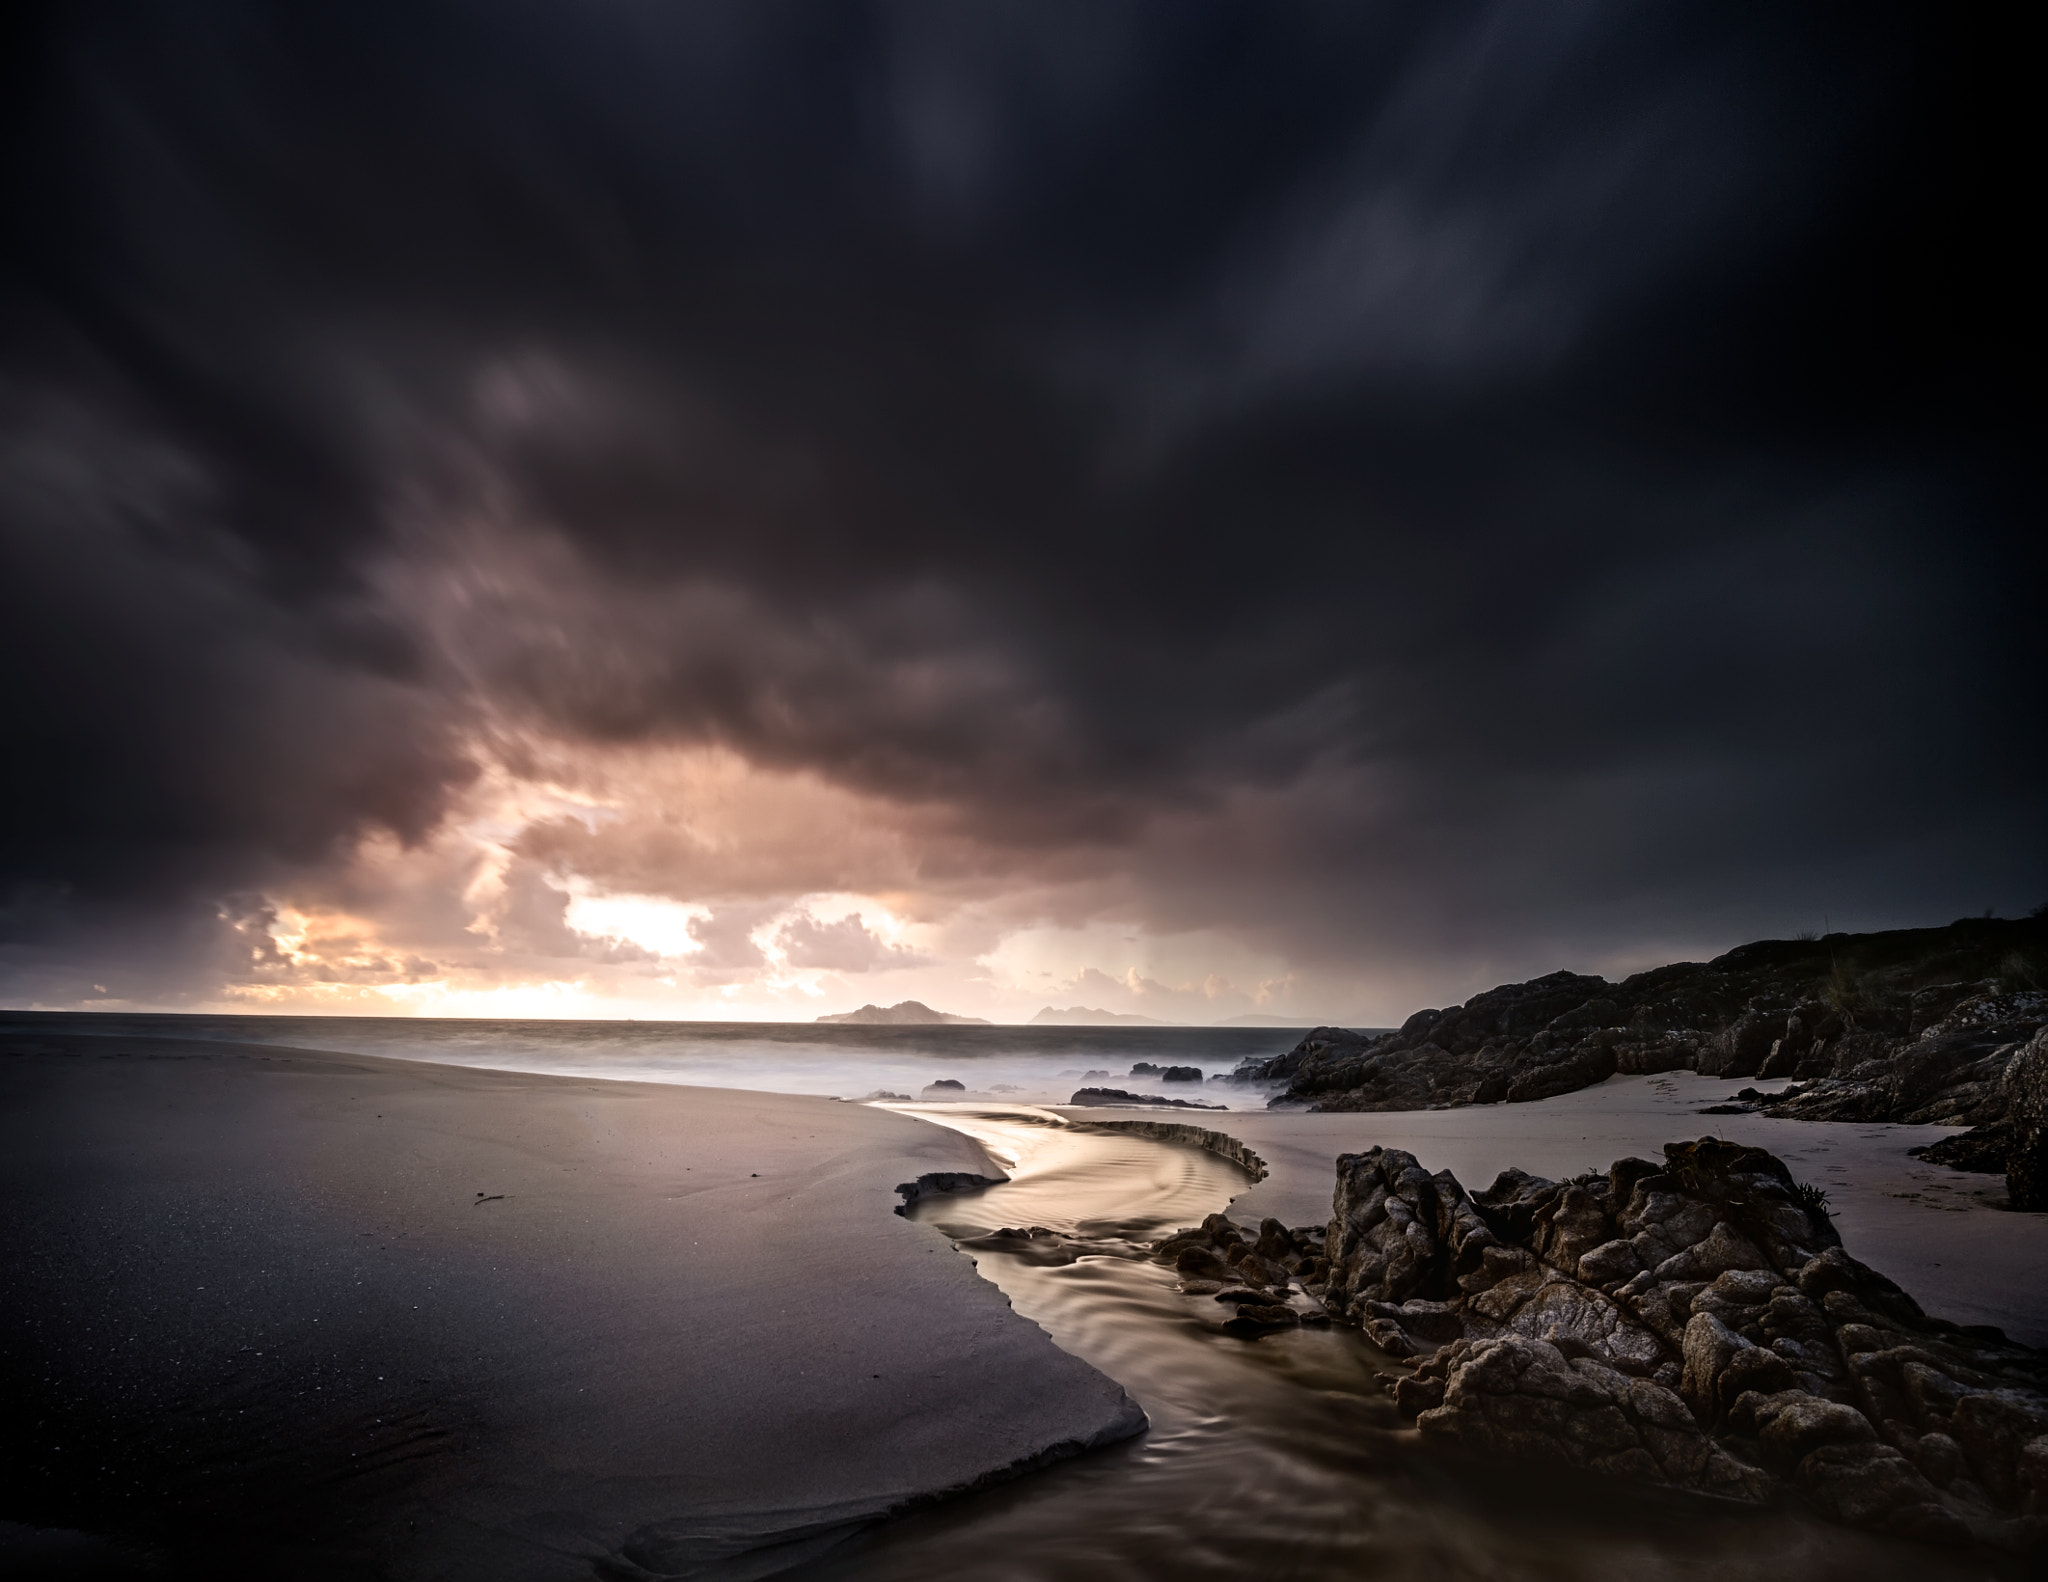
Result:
[
  {"x": 846, "y": 945},
  {"x": 1394, "y": 497},
  {"x": 726, "y": 940}
]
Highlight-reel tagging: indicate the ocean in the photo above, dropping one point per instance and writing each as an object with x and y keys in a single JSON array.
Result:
[{"x": 1029, "y": 1065}]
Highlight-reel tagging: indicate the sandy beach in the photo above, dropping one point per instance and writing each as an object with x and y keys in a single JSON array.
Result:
[{"x": 338, "y": 1316}]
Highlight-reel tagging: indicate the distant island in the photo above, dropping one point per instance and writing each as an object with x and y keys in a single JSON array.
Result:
[
  {"x": 1087, "y": 1016},
  {"x": 905, "y": 1013}
]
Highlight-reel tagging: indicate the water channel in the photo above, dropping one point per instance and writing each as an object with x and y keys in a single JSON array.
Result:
[{"x": 1278, "y": 1457}]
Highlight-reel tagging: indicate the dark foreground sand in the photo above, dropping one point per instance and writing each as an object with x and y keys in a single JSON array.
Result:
[{"x": 270, "y": 1311}]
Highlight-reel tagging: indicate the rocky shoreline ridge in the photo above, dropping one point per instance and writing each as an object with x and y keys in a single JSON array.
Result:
[
  {"x": 1694, "y": 1323},
  {"x": 1937, "y": 1026},
  {"x": 1096, "y": 1098}
]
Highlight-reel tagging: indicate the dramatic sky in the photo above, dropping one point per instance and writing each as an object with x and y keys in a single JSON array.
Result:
[{"x": 742, "y": 508}]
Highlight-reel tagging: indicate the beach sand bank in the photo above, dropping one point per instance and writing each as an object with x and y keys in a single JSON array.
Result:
[{"x": 342, "y": 1315}]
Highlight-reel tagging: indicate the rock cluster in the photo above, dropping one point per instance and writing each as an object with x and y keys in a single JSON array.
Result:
[
  {"x": 1985, "y": 1149},
  {"x": 1924, "y": 1026},
  {"x": 1255, "y": 1274},
  {"x": 1950, "y": 1073},
  {"x": 941, "y": 1183},
  {"x": 1695, "y": 1323},
  {"x": 2026, "y": 1087},
  {"x": 1146, "y": 1068}
]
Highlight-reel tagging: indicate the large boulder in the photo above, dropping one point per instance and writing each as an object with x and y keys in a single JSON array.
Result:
[
  {"x": 1695, "y": 1323},
  {"x": 1384, "y": 1242},
  {"x": 2026, "y": 1092},
  {"x": 1526, "y": 1399}
]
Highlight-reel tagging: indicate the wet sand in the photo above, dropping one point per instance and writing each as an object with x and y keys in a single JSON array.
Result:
[
  {"x": 1942, "y": 1234},
  {"x": 329, "y": 1316}
]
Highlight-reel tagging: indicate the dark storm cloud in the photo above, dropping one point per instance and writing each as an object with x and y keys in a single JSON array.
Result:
[
  {"x": 173, "y": 734},
  {"x": 1496, "y": 479}
]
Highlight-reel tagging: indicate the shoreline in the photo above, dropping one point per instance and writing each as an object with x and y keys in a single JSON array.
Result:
[{"x": 571, "y": 1341}]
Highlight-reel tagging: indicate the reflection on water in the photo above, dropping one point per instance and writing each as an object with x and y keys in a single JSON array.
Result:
[
  {"x": 1104, "y": 1185},
  {"x": 1274, "y": 1458}
]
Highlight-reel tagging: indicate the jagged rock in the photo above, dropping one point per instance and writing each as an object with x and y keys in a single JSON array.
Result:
[
  {"x": 1383, "y": 1242},
  {"x": 1216, "y": 1259},
  {"x": 1147, "y": 1068},
  {"x": 1708, "y": 1348},
  {"x": 1581, "y": 1068},
  {"x": 1693, "y": 1322},
  {"x": 2025, "y": 1082},
  {"x": 1790, "y": 1424},
  {"x": 1993, "y": 1428},
  {"x": 941, "y": 1183},
  {"x": 1526, "y": 1399},
  {"x": 1744, "y": 1046},
  {"x": 1872, "y": 1485},
  {"x": 2033, "y": 1476},
  {"x": 1983, "y": 1150},
  {"x": 1696, "y": 1323}
]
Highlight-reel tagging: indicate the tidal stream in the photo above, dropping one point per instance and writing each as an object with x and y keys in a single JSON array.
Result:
[{"x": 1277, "y": 1457}]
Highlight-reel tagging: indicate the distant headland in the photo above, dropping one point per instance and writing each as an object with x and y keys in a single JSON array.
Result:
[{"x": 905, "y": 1013}]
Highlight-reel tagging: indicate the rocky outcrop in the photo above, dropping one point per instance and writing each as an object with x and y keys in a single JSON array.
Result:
[
  {"x": 1915, "y": 1025},
  {"x": 2025, "y": 1080},
  {"x": 1693, "y": 1322},
  {"x": 1253, "y": 1274},
  {"x": 1986, "y": 1150},
  {"x": 1951, "y": 1073},
  {"x": 941, "y": 1183},
  {"x": 1529, "y": 1399}
]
